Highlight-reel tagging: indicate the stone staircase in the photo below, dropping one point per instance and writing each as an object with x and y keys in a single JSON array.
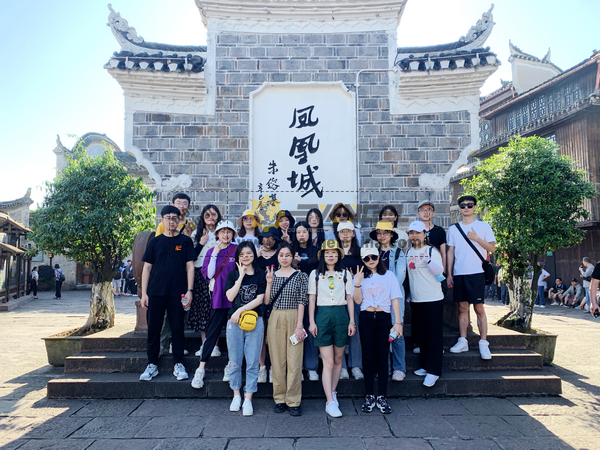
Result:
[{"x": 110, "y": 363}]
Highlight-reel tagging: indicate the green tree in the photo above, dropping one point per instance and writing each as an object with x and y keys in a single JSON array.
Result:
[
  {"x": 533, "y": 198},
  {"x": 92, "y": 212}
]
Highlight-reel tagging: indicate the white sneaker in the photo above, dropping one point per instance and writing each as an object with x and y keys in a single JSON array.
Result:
[
  {"x": 199, "y": 352},
  {"x": 344, "y": 375},
  {"x": 420, "y": 372},
  {"x": 417, "y": 350},
  {"x": 179, "y": 372},
  {"x": 313, "y": 375},
  {"x": 198, "y": 380},
  {"x": 334, "y": 395},
  {"x": 226, "y": 373},
  {"x": 216, "y": 352},
  {"x": 484, "y": 349},
  {"x": 236, "y": 403},
  {"x": 333, "y": 409},
  {"x": 461, "y": 346},
  {"x": 430, "y": 380},
  {"x": 357, "y": 373},
  {"x": 150, "y": 372},
  {"x": 398, "y": 375},
  {"x": 262, "y": 374},
  {"x": 271, "y": 376},
  {"x": 247, "y": 409},
  {"x": 542, "y": 306}
]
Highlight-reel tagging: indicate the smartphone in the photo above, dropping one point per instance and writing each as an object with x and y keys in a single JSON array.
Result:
[{"x": 294, "y": 339}]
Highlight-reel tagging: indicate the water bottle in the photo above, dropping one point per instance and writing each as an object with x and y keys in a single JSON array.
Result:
[
  {"x": 184, "y": 301},
  {"x": 393, "y": 335}
]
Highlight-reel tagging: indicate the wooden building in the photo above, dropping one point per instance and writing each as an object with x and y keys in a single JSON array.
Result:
[
  {"x": 564, "y": 107},
  {"x": 13, "y": 265}
]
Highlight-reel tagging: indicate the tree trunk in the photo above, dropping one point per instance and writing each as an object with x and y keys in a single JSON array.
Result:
[
  {"x": 102, "y": 308},
  {"x": 522, "y": 297}
]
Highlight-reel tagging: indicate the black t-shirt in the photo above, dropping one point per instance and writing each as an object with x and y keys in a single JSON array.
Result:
[
  {"x": 352, "y": 263},
  {"x": 263, "y": 262},
  {"x": 436, "y": 237},
  {"x": 252, "y": 286},
  {"x": 596, "y": 272},
  {"x": 309, "y": 261},
  {"x": 168, "y": 256},
  {"x": 385, "y": 258}
]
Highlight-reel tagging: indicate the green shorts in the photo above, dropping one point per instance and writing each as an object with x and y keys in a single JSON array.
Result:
[{"x": 332, "y": 326}]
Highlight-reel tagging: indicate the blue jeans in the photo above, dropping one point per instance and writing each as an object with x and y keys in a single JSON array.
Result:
[
  {"x": 491, "y": 287},
  {"x": 311, "y": 353},
  {"x": 588, "y": 300},
  {"x": 398, "y": 350},
  {"x": 246, "y": 344},
  {"x": 354, "y": 348},
  {"x": 540, "y": 300},
  {"x": 504, "y": 297}
]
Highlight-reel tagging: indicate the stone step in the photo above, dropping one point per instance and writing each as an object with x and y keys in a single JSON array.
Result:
[
  {"x": 136, "y": 342},
  {"x": 136, "y": 362},
  {"x": 459, "y": 383}
]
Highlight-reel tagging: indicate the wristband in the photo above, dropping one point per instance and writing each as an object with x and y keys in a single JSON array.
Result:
[
  {"x": 356, "y": 286},
  {"x": 190, "y": 290},
  {"x": 352, "y": 323}
]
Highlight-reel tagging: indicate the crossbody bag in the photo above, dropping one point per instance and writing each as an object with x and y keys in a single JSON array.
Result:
[{"x": 488, "y": 270}]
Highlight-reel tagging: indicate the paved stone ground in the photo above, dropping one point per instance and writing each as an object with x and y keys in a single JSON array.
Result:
[{"x": 30, "y": 421}]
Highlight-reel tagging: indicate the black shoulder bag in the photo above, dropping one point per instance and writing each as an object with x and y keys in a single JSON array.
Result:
[
  {"x": 276, "y": 296},
  {"x": 488, "y": 270}
]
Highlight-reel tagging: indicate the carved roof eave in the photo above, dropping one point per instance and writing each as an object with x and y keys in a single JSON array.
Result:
[
  {"x": 447, "y": 82},
  {"x": 23, "y": 201},
  {"x": 477, "y": 58},
  {"x": 474, "y": 39},
  {"x": 594, "y": 59},
  {"x": 92, "y": 137},
  {"x": 323, "y": 15},
  {"x": 168, "y": 88},
  {"x": 129, "y": 40},
  {"x": 517, "y": 53}
]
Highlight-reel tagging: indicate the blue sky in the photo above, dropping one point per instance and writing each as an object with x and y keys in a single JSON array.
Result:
[{"x": 53, "y": 81}]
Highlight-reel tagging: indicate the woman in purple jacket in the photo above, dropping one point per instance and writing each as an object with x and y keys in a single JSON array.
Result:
[{"x": 219, "y": 261}]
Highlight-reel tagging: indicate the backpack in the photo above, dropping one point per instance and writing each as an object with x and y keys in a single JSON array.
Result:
[
  {"x": 117, "y": 275},
  {"x": 61, "y": 277}
]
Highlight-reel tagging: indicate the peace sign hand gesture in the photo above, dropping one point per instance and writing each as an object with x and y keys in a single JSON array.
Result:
[
  {"x": 359, "y": 277},
  {"x": 241, "y": 270},
  {"x": 269, "y": 275}
]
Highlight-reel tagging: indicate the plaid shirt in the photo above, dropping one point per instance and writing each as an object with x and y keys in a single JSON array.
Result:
[{"x": 294, "y": 293}]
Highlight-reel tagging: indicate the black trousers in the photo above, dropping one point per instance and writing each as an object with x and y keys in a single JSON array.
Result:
[
  {"x": 218, "y": 318},
  {"x": 427, "y": 326},
  {"x": 155, "y": 316},
  {"x": 58, "y": 285},
  {"x": 374, "y": 328},
  {"x": 34, "y": 287}
]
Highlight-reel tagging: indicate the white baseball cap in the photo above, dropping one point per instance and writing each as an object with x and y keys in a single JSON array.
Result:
[
  {"x": 345, "y": 226},
  {"x": 367, "y": 250},
  {"x": 417, "y": 225}
]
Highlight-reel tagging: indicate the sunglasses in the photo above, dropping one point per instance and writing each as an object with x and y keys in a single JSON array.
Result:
[
  {"x": 369, "y": 258},
  {"x": 342, "y": 214},
  {"x": 466, "y": 205}
]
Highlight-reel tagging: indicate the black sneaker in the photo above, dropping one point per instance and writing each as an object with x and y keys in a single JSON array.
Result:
[
  {"x": 295, "y": 411},
  {"x": 383, "y": 406},
  {"x": 369, "y": 404},
  {"x": 280, "y": 407}
]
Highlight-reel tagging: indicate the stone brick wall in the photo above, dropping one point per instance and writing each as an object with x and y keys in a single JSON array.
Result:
[{"x": 393, "y": 150}]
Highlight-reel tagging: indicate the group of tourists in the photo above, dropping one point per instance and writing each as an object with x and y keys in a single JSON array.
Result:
[{"x": 304, "y": 293}]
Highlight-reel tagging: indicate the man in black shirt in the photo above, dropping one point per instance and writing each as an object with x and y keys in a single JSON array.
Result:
[
  {"x": 558, "y": 288},
  {"x": 167, "y": 277},
  {"x": 434, "y": 234}
]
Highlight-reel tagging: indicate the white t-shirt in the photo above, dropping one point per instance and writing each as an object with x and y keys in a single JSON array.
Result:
[
  {"x": 248, "y": 237},
  {"x": 212, "y": 241},
  {"x": 466, "y": 262},
  {"x": 542, "y": 275},
  {"x": 423, "y": 285},
  {"x": 378, "y": 291},
  {"x": 327, "y": 296}
]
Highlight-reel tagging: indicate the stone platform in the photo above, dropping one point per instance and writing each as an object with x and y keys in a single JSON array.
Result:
[{"x": 110, "y": 363}]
